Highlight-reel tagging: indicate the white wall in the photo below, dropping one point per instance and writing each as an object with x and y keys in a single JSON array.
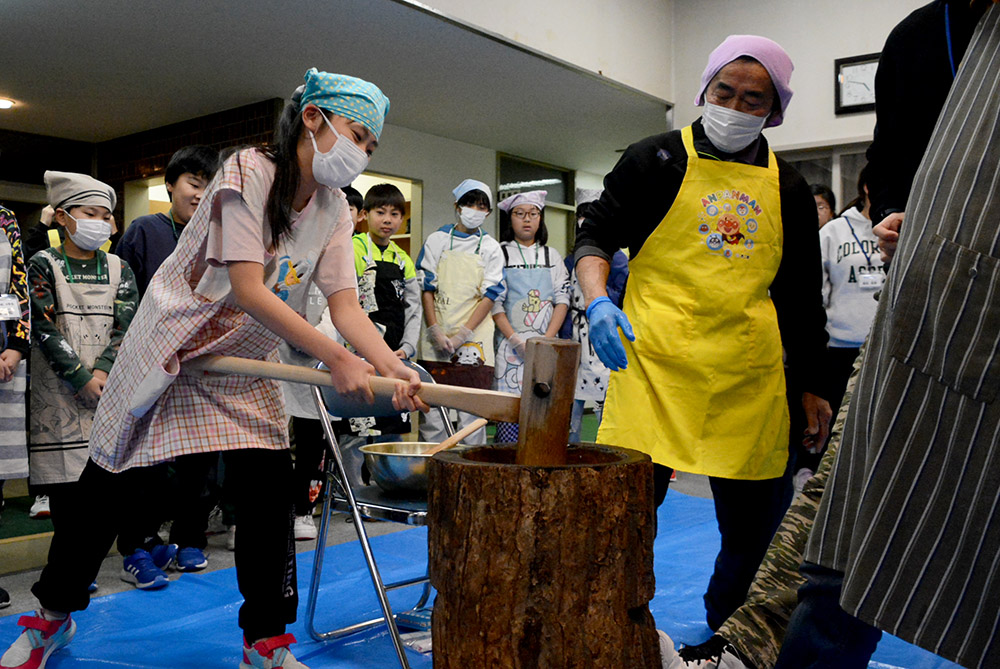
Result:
[
  {"x": 628, "y": 41},
  {"x": 589, "y": 180},
  {"x": 441, "y": 164},
  {"x": 814, "y": 33}
]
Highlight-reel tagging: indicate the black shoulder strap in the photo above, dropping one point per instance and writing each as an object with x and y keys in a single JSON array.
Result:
[{"x": 506, "y": 260}]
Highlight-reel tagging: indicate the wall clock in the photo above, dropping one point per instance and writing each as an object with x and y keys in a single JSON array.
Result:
[{"x": 854, "y": 83}]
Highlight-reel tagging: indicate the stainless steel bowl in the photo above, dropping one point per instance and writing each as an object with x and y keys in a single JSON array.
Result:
[{"x": 399, "y": 467}]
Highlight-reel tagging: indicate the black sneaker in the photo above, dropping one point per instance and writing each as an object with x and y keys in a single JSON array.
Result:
[
  {"x": 4, "y": 599},
  {"x": 716, "y": 653}
]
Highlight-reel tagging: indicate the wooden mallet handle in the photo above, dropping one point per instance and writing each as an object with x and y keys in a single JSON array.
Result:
[{"x": 489, "y": 404}]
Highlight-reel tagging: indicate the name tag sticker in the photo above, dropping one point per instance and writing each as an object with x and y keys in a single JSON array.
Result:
[
  {"x": 10, "y": 307},
  {"x": 871, "y": 281}
]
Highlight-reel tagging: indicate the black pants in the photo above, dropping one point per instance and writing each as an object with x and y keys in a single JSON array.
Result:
[
  {"x": 182, "y": 491},
  {"x": 820, "y": 634},
  {"x": 89, "y": 515},
  {"x": 748, "y": 513},
  {"x": 310, "y": 446}
]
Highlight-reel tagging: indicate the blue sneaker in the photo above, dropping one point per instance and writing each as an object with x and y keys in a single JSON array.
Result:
[
  {"x": 191, "y": 559},
  {"x": 140, "y": 570},
  {"x": 163, "y": 555}
]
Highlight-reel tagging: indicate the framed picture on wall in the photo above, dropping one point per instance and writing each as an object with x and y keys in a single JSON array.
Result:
[{"x": 854, "y": 84}]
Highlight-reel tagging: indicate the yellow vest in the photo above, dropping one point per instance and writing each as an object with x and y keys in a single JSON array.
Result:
[
  {"x": 704, "y": 391},
  {"x": 56, "y": 242}
]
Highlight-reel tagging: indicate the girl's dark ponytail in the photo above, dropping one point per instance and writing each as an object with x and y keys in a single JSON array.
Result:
[{"x": 283, "y": 150}]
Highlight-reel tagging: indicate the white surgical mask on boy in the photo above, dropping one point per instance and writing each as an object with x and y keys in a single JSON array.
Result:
[
  {"x": 339, "y": 166},
  {"x": 731, "y": 130},
  {"x": 471, "y": 218},
  {"x": 91, "y": 233}
]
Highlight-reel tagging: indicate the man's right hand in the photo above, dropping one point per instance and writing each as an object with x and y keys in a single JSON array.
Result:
[
  {"x": 888, "y": 234},
  {"x": 605, "y": 319}
]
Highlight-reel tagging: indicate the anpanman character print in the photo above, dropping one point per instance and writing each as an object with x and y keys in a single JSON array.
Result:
[{"x": 727, "y": 220}]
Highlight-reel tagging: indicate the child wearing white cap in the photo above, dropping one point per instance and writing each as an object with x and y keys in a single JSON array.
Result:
[
  {"x": 82, "y": 301},
  {"x": 462, "y": 270}
]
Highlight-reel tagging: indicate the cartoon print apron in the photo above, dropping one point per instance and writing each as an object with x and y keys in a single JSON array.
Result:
[
  {"x": 591, "y": 375},
  {"x": 529, "y": 309},
  {"x": 13, "y": 441},
  {"x": 60, "y": 423},
  {"x": 704, "y": 391},
  {"x": 380, "y": 290},
  {"x": 460, "y": 278}
]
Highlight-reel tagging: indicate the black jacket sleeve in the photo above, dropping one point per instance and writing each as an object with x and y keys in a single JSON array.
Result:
[
  {"x": 638, "y": 192},
  {"x": 911, "y": 85},
  {"x": 797, "y": 288}
]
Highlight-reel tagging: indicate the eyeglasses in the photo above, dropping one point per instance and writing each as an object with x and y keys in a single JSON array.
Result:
[
  {"x": 823, "y": 207},
  {"x": 532, "y": 215}
]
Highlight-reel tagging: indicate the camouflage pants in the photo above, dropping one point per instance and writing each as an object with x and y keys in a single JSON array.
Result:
[{"x": 758, "y": 627}]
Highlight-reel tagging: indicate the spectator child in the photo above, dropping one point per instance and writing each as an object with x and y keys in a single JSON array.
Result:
[
  {"x": 592, "y": 375},
  {"x": 82, "y": 301},
  {"x": 462, "y": 270},
  {"x": 148, "y": 241},
  {"x": 535, "y": 297},
  {"x": 356, "y": 203},
  {"x": 826, "y": 203}
]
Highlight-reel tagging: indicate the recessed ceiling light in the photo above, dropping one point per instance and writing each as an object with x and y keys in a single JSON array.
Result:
[{"x": 5, "y": 103}]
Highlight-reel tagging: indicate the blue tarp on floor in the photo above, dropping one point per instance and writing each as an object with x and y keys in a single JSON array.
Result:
[{"x": 192, "y": 623}]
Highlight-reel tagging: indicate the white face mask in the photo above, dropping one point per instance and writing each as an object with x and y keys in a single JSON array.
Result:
[
  {"x": 731, "y": 130},
  {"x": 471, "y": 218},
  {"x": 91, "y": 233},
  {"x": 339, "y": 166}
]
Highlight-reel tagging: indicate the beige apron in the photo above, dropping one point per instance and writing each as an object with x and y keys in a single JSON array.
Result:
[
  {"x": 460, "y": 278},
  {"x": 13, "y": 440},
  {"x": 60, "y": 423}
]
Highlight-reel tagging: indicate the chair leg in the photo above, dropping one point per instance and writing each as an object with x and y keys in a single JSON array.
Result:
[{"x": 366, "y": 548}]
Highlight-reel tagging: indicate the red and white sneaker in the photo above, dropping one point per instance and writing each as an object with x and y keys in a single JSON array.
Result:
[
  {"x": 37, "y": 642},
  {"x": 271, "y": 653}
]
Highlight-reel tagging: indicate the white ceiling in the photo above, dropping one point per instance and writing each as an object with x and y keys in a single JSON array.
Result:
[{"x": 94, "y": 70}]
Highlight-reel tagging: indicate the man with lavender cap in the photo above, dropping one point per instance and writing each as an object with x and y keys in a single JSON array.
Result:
[{"x": 724, "y": 275}]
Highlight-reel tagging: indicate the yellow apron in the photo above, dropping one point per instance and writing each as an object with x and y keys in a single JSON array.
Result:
[{"x": 704, "y": 391}]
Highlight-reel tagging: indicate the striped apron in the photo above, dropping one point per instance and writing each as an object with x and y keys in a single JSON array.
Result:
[
  {"x": 910, "y": 513},
  {"x": 13, "y": 429}
]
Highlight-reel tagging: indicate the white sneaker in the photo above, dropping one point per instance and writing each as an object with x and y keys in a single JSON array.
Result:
[
  {"x": 271, "y": 653},
  {"x": 800, "y": 478},
  {"x": 40, "y": 509},
  {"x": 305, "y": 528},
  {"x": 215, "y": 524},
  {"x": 231, "y": 538},
  {"x": 668, "y": 654}
]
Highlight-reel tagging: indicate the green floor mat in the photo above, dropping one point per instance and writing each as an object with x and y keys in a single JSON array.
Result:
[{"x": 14, "y": 521}]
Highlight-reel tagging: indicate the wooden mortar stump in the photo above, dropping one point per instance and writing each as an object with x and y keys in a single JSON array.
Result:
[{"x": 542, "y": 566}]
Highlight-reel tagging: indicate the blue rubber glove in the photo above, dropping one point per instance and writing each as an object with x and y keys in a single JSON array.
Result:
[{"x": 605, "y": 319}]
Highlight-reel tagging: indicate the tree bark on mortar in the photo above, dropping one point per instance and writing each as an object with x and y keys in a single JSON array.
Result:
[{"x": 542, "y": 566}]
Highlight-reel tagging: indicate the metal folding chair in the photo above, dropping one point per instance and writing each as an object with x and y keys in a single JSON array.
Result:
[{"x": 370, "y": 503}]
